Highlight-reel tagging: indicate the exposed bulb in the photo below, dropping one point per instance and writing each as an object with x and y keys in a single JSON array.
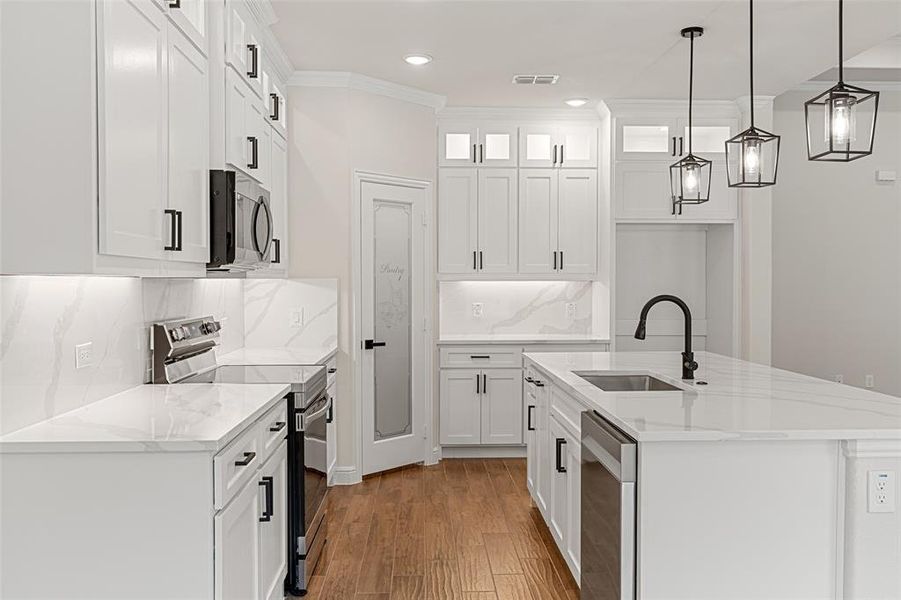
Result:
[
  {"x": 691, "y": 178},
  {"x": 751, "y": 152},
  {"x": 842, "y": 125}
]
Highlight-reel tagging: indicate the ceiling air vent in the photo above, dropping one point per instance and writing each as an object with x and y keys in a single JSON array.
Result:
[{"x": 535, "y": 79}]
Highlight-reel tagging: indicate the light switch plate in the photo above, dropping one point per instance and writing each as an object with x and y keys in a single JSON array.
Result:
[
  {"x": 477, "y": 309},
  {"x": 84, "y": 355},
  {"x": 570, "y": 310},
  {"x": 881, "y": 491},
  {"x": 296, "y": 318}
]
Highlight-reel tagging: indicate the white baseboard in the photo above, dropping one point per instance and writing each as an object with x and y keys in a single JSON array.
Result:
[
  {"x": 483, "y": 452},
  {"x": 345, "y": 476}
]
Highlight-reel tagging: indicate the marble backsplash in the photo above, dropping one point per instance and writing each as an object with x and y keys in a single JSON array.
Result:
[
  {"x": 42, "y": 318},
  {"x": 290, "y": 313},
  {"x": 515, "y": 307}
]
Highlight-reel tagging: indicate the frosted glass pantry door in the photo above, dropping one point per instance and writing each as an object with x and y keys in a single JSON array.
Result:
[{"x": 392, "y": 297}]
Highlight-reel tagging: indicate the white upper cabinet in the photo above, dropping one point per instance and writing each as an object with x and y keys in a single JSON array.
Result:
[
  {"x": 537, "y": 220},
  {"x": 646, "y": 138},
  {"x": 244, "y": 52},
  {"x": 276, "y": 105},
  {"x": 133, "y": 131},
  {"x": 723, "y": 203},
  {"x": 497, "y": 220},
  {"x": 189, "y": 160},
  {"x": 278, "y": 199},
  {"x": 558, "y": 146},
  {"x": 191, "y": 18},
  {"x": 642, "y": 190},
  {"x": 458, "y": 220},
  {"x": 577, "y": 220},
  {"x": 247, "y": 133},
  {"x": 486, "y": 145},
  {"x": 708, "y": 135}
]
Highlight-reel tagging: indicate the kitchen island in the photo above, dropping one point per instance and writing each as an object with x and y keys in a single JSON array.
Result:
[{"x": 750, "y": 481}]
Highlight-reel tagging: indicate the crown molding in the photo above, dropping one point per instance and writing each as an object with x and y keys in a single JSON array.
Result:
[
  {"x": 722, "y": 107},
  {"x": 364, "y": 83},
  {"x": 472, "y": 113},
  {"x": 822, "y": 86}
]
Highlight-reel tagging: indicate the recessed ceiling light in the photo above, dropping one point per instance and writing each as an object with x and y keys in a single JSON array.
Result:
[
  {"x": 577, "y": 102},
  {"x": 417, "y": 60}
]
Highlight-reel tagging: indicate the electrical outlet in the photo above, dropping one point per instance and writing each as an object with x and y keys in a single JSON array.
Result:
[
  {"x": 297, "y": 317},
  {"x": 84, "y": 355},
  {"x": 570, "y": 310},
  {"x": 869, "y": 381},
  {"x": 477, "y": 309},
  {"x": 839, "y": 378},
  {"x": 881, "y": 491}
]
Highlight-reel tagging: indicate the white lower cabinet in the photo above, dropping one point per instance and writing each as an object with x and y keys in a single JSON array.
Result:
[
  {"x": 331, "y": 439},
  {"x": 553, "y": 469},
  {"x": 481, "y": 407},
  {"x": 250, "y": 532}
]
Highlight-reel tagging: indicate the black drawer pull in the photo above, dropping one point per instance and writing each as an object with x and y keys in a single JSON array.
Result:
[
  {"x": 173, "y": 229},
  {"x": 333, "y": 370},
  {"x": 475, "y": 356},
  {"x": 274, "y": 114},
  {"x": 268, "y": 509},
  {"x": 331, "y": 412},
  {"x": 529, "y": 425},
  {"x": 538, "y": 383},
  {"x": 248, "y": 457},
  {"x": 254, "y": 153},
  {"x": 254, "y": 50},
  {"x": 278, "y": 426},
  {"x": 560, "y": 467},
  {"x": 529, "y": 380}
]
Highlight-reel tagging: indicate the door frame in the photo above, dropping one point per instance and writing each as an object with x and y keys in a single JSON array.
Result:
[{"x": 429, "y": 447}]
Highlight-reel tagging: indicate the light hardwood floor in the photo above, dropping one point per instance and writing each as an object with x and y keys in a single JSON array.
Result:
[{"x": 463, "y": 529}]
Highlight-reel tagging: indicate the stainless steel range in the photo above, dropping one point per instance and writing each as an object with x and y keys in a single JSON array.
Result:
[{"x": 183, "y": 353}]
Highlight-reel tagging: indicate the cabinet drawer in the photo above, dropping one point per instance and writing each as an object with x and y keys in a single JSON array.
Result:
[
  {"x": 471, "y": 357},
  {"x": 567, "y": 411},
  {"x": 236, "y": 464},
  {"x": 273, "y": 429}
]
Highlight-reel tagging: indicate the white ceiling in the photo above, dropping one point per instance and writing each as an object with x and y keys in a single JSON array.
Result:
[{"x": 600, "y": 48}]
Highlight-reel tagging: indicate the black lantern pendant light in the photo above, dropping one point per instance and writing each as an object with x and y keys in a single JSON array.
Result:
[
  {"x": 752, "y": 156},
  {"x": 690, "y": 177},
  {"x": 842, "y": 120}
]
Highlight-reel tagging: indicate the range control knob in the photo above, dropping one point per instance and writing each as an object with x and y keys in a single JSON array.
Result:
[{"x": 177, "y": 334}]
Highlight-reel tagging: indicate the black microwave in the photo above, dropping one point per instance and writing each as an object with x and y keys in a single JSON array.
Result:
[{"x": 240, "y": 223}]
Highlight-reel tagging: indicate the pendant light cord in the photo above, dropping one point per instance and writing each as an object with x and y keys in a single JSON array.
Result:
[
  {"x": 841, "y": 41},
  {"x": 691, "y": 78},
  {"x": 751, "y": 44}
]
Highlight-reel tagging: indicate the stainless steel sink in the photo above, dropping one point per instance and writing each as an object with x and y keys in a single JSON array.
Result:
[{"x": 627, "y": 383}]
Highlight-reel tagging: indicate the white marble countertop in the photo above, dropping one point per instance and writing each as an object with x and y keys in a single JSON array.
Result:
[
  {"x": 521, "y": 338},
  {"x": 317, "y": 355},
  {"x": 741, "y": 401},
  {"x": 152, "y": 418}
]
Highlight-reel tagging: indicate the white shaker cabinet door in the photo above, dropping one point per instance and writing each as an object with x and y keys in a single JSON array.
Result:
[
  {"x": 543, "y": 453},
  {"x": 189, "y": 148},
  {"x": 577, "y": 220},
  {"x": 132, "y": 128},
  {"x": 642, "y": 191},
  {"x": 573, "y": 537},
  {"x": 274, "y": 527},
  {"x": 238, "y": 98},
  {"x": 578, "y": 147},
  {"x": 278, "y": 202},
  {"x": 460, "y": 409},
  {"x": 457, "y": 145},
  {"x": 237, "y": 546},
  {"x": 538, "y": 146},
  {"x": 559, "y": 485},
  {"x": 497, "y": 145},
  {"x": 723, "y": 202},
  {"x": 537, "y": 220},
  {"x": 497, "y": 220},
  {"x": 458, "y": 220},
  {"x": 501, "y": 406}
]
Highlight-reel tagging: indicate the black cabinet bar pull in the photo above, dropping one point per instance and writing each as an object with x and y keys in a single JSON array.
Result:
[
  {"x": 277, "y": 246},
  {"x": 174, "y": 3},
  {"x": 268, "y": 509},
  {"x": 278, "y": 426},
  {"x": 555, "y": 260},
  {"x": 477, "y": 383},
  {"x": 254, "y": 152},
  {"x": 274, "y": 115},
  {"x": 680, "y": 145},
  {"x": 333, "y": 370},
  {"x": 555, "y": 154},
  {"x": 674, "y": 145},
  {"x": 561, "y": 260},
  {"x": 529, "y": 426},
  {"x": 560, "y": 467},
  {"x": 474, "y": 267},
  {"x": 484, "y": 384},
  {"x": 529, "y": 380},
  {"x": 481, "y": 261},
  {"x": 178, "y": 230},
  {"x": 330, "y": 415},
  {"x": 561, "y": 155},
  {"x": 538, "y": 383},
  {"x": 370, "y": 344},
  {"x": 479, "y": 356},
  {"x": 172, "y": 225},
  {"x": 481, "y": 153},
  {"x": 248, "y": 457},
  {"x": 253, "y": 73},
  {"x": 474, "y": 154}
]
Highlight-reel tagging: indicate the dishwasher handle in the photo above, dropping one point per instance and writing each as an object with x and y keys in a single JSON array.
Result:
[{"x": 617, "y": 452}]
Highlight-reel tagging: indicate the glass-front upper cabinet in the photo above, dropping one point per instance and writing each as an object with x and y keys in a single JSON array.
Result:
[
  {"x": 556, "y": 146},
  {"x": 646, "y": 138},
  {"x": 467, "y": 145},
  {"x": 708, "y": 135}
]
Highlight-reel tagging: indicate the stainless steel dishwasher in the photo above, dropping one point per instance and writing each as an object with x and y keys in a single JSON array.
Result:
[{"x": 609, "y": 469}]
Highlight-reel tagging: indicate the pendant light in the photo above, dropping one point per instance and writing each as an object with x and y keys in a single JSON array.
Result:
[
  {"x": 841, "y": 121},
  {"x": 752, "y": 156},
  {"x": 690, "y": 177}
]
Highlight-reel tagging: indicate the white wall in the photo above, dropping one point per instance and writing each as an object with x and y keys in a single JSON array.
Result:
[
  {"x": 335, "y": 131},
  {"x": 837, "y": 255}
]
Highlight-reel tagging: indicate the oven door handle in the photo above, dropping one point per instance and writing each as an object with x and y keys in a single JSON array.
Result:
[{"x": 305, "y": 418}]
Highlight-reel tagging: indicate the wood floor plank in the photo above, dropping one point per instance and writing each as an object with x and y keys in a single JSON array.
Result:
[
  {"x": 479, "y": 596},
  {"x": 513, "y": 587},
  {"x": 407, "y": 587},
  {"x": 409, "y": 550},
  {"x": 376, "y": 570},
  {"x": 442, "y": 580},
  {"x": 475, "y": 569},
  {"x": 542, "y": 579},
  {"x": 501, "y": 553}
]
